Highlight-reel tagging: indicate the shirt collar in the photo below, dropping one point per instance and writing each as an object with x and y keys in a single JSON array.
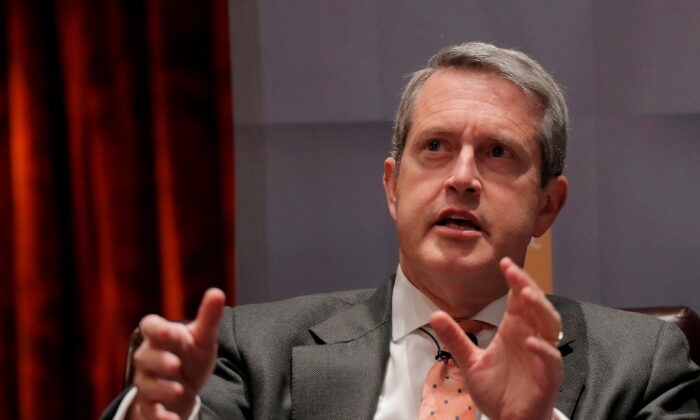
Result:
[{"x": 411, "y": 309}]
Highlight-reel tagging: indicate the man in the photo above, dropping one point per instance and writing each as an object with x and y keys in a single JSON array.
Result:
[{"x": 475, "y": 173}]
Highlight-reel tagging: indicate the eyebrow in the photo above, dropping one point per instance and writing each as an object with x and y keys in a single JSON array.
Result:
[
  {"x": 436, "y": 132},
  {"x": 505, "y": 140},
  {"x": 442, "y": 132}
]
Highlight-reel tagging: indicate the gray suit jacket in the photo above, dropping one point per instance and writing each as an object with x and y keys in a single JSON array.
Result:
[{"x": 323, "y": 357}]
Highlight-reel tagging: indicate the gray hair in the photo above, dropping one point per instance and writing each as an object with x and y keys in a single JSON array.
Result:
[{"x": 511, "y": 65}]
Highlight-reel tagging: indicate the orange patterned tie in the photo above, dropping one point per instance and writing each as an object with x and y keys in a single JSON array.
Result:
[{"x": 444, "y": 392}]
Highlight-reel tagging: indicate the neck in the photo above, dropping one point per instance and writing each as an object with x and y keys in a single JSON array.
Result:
[{"x": 459, "y": 297}]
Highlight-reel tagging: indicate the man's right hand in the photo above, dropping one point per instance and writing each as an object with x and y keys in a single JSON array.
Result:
[{"x": 174, "y": 361}]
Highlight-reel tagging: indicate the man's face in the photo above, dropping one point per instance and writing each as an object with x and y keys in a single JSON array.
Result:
[{"x": 468, "y": 192}]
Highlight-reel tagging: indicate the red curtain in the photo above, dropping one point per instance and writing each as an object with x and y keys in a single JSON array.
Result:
[{"x": 116, "y": 185}]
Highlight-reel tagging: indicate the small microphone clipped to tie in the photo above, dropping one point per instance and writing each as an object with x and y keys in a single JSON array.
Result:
[{"x": 443, "y": 355}]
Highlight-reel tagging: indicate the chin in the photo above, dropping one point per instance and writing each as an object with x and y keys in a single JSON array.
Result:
[{"x": 457, "y": 266}]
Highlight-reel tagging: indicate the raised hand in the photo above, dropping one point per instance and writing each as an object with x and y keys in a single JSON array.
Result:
[
  {"x": 518, "y": 375},
  {"x": 174, "y": 361}
]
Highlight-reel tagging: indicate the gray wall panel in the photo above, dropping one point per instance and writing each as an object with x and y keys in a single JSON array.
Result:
[
  {"x": 649, "y": 169},
  {"x": 327, "y": 218},
  {"x": 309, "y": 47}
]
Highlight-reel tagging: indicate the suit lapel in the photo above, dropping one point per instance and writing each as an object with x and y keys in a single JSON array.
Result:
[
  {"x": 574, "y": 352},
  {"x": 342, "y": 375}
]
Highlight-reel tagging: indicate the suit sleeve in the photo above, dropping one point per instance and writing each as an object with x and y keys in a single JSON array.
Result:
[
  {"x": 226, "y": 393},
  {"x": 673, "y": 387}
]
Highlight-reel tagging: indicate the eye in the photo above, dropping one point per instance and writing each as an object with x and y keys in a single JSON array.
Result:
[
  {"x": 499, "y": 151},
  {"x": 433, "y": 145}
]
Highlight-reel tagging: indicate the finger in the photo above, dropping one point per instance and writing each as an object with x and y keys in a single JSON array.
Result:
[
  {"x": 157, "y": 362},
  {"x": 155, "y": 411},
  {"x": 529, "y": 300},
  {"x": 163, "y": 334},
  {"x": 454, "y": 338},
  {"x": 155, "y": 389},
  {"x": 544, "y": 350},
  {"x": 541, "y": 314},
  {"x": 205, "y": 327},
  {"x": 550, "y": 357},
  {"x": 547, "y": 364},
  {"x": 516, "y": 277},
  {"x": 517, "y": 280}
]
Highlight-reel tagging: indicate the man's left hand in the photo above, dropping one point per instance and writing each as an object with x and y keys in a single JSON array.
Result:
[{"x": 518, "y": 375}]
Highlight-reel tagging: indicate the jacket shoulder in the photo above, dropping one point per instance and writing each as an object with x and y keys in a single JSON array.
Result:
[
  {"x": 287, "y": 319},
  {"x": 600, "y": 320},
  {"x": 630, "y": 364}
]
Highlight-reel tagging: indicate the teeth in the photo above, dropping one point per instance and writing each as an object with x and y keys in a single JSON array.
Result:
[{"x": 458, "y": 226}]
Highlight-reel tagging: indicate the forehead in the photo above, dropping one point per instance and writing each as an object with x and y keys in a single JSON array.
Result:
[{"x": 458, "y": 96}]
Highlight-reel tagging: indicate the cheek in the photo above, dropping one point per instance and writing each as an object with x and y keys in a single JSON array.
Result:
[
  {"x": 415, "y": 206},
  {"x": 517, "y": 210},
  {"x": 415, "y": 194}
]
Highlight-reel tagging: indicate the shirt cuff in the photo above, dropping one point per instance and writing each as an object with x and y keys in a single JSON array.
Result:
[
  {"x": 129, "y": 398},
  {"x": 125, "y": 404},
  {"x": 557, "y": 415}
]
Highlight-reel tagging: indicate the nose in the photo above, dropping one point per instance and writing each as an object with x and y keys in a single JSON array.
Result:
[{"x": 464, "y": 175}]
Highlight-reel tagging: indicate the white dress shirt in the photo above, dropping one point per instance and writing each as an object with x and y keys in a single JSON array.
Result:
[{"x": 411, "y": 353}]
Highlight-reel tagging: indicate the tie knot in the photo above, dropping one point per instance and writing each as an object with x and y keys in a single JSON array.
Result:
[{"x": 473, "y": 326}]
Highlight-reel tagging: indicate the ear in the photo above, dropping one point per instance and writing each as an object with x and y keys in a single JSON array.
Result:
[
  {"x": 553, "y": 200},
  {"x": 389, "y": 180}
]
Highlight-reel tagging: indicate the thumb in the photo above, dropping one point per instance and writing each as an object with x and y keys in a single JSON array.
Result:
[
  {"x": 205, "y": 327},
  {"x": 454, "y": 338}
]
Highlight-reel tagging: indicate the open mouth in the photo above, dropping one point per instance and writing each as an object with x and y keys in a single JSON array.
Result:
[{"x": 458, "y": 223}]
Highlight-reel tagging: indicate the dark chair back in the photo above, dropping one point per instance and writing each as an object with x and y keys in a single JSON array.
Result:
[{"x": 686, "y": 319}]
